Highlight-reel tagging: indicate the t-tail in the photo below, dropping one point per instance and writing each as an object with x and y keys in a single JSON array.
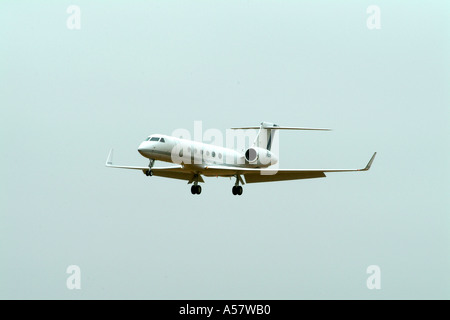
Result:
[{"x": 266, "y": 133}]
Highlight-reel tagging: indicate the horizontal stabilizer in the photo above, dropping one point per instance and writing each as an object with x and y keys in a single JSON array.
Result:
[
  {"x": 266, "y": 133},
  {"x": 273, "y": 126},
  {"x": 282, "y": 128}
]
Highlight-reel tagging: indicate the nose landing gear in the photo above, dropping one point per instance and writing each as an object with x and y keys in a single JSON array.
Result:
[{"x": 149, "y": 172}]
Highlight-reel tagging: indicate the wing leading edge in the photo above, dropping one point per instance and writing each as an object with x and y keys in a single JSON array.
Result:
[
  {"x": 253, "y": 175},
  {"x": 173, "y": 172}
]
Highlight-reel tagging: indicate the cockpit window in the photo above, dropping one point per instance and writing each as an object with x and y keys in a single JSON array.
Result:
[
  {"x": 162, "y": 140},
  {"x": 147, "y": 139},
  {"x": 154, "y": 139}
]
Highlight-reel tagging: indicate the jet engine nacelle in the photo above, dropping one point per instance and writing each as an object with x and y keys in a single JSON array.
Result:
[{"x": 260, "y": 156}]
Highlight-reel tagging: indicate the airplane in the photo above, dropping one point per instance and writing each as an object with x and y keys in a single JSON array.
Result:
[{"x": 196, "y": 159}]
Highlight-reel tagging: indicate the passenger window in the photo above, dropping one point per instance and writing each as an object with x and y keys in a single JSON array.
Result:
[
  {"x": 207, "y": 153},
  {"x": 213, "y": 154},
  {"x": 162, "y": 140},
  {"x": 220, "y": 155}
]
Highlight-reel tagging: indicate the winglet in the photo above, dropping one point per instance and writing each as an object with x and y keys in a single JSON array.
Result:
[
  {"x": 369, "y": 163},
  {"x": 109, "y": 159}
]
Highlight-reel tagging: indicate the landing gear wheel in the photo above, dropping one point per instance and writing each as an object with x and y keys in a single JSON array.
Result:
[
  {"x": 196, "y": 189},
  {"x": 237, "y": 190},
  {"x": 148, "y": 173}
]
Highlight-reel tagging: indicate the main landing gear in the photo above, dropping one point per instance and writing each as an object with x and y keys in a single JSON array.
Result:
[
  {"x": 237, "y": 189},
  {"x": 196, "y": 189}
]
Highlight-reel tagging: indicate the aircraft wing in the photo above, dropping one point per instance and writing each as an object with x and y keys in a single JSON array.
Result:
[
  {"x": 174, "y": 172},
  {"x": 253, "y": 175}
]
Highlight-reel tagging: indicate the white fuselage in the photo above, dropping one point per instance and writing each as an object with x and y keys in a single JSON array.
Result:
[{"x": 196, "y": 154}]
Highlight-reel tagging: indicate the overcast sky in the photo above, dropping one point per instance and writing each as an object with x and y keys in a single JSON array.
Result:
[{"x": 135, "y": 68}]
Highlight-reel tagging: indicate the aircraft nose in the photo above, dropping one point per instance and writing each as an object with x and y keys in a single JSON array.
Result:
[{"x": 142, "y": 148}]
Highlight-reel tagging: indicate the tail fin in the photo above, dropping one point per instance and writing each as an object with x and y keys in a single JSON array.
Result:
[{"x": 266, "y": 133}]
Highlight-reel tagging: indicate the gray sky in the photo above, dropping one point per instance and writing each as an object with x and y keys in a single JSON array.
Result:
[{"x": 136, "y": 68}]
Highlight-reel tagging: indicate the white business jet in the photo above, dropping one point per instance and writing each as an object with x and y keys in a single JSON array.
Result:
[{"x": 195, "y": 159}]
